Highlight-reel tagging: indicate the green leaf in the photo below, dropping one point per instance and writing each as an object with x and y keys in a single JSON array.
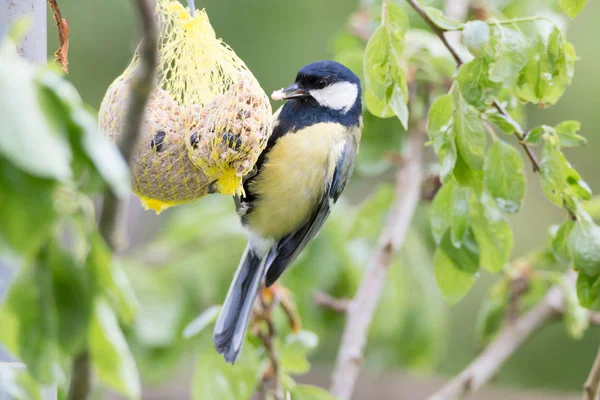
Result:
[
  {"x": 492, "y": 312},
  {"x": 534, "y": 136},
  {"x": 470, "y": 133},
  {"x": 293, "y": 354},
  {"x": 453, "y": 280},
  {"x": 475, "y": 85},
  {"x": 308, "y": 392},
  {"x": 441, "y": 128},
  {"x": 465, "y": 257},
  {"x": 110, "y": 279},
  {"x": 492, "y": 232},
  {"x": 552, "y": 172},
  {"x": 33, "y": 144},
  {"x": 507, "y": 125},
  {"x": 202, "y": 321},
  {"x": 441, "y": 20},
  {"x": 459, "y": 215},
  {"x": 215, "y": 379},
  {"x": 504, "y": 176},
  {"x": 368, "y": 219},
  {"x": 509, "y": 55},
  {"x": 439, "y": 120},
  {"x": 576, "y": 318},
  {"x": 572, "y": 7},
  {"x": 468, "y": 176},
  {"x": 439, "y": 217},
  {"x": 448, "y": 156},
  {"x": 476, "y": 36},
  {"x": 592, "y": 207},
  {"x": 575, "y": 185},
  {"x": 386, "y": 88},
  {"x": 588, "y": 291},
  {"x": 560, "y": 241},
  {"x": 584, "y": 247},
  {"x": 17, "y": 383},
  {"x": 29, "y": 320},
  {"x": 549, "y": 70},
  {"x": 567, "y": 134},
  {"x": 110, "y": 354},
  {"x": 26, "y": 202},
  {"x": 86, "y": 140},
  {"x": 73, "y": 293}
]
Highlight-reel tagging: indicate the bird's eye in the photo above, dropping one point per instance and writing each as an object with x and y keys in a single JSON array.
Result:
[{"x": 321, "y": 83}]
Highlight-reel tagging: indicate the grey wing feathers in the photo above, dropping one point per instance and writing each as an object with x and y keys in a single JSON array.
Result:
[{"x": 289, "y": 247}]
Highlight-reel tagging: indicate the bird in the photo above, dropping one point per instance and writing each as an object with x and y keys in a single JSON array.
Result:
[{"x": 306, "y": 164}]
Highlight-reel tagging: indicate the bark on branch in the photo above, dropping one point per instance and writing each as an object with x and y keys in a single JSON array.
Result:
[
  {"x": 487, "y": 364},
  {"x": 142, "y": 85},
  {"x": 361, "y": 308},
  {"x": 592, "y": 384},
  {"x": 441, "y": 33}
]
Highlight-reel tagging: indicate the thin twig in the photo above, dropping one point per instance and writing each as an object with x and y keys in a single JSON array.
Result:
[
  {"x": 80, "y": 384},
  {"x": 519, "y": 132},
  {"x": 326, "y": 301},
  {"x": 592, "y": 384},
  {"x": 141, "y": 86},
  {"x": 62, "y": 25},
  {"x": 518, "y": 287},
  {"x": 512, "y": 336},
  {"x": 268, "y": 338},
  {"x": 291, "y": 312},
  {"x": 430, "y": 187},
  {"x": 361, "y": 309}
]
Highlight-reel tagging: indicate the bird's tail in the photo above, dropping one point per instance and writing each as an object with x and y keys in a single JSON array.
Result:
[{"x": 230, "y": 328}]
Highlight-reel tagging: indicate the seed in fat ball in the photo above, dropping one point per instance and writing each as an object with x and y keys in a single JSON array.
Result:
[
  {"x": 156, "y": 143},
  {"x": 234, "y": 142}
]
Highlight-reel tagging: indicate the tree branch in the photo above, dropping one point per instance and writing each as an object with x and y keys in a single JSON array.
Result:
[
  {"x": 327, "y": 301},
  {"x": 141, "y": 86},
  {"x": 361, "y": 308},
  {"x": 267, "y": 337},
  {"x": 512, "y": 336},
  {"x": 592, "y": 384},
  {"x": 519, "y": 132}
]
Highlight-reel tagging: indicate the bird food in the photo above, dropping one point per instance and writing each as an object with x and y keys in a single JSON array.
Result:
[{"x": 206, "y": 122}]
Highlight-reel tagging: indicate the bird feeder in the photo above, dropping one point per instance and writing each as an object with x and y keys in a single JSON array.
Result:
[{"x": 206, "y": 122}]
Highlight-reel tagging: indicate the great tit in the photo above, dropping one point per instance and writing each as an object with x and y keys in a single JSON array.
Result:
[{"x": 299, "y": 176}]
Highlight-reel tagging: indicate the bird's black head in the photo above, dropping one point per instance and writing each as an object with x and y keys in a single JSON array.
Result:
[{"x": 323, "y": 91}]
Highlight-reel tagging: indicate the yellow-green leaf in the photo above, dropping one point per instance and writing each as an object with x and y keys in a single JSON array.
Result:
[
  {"x": 386, "y": 88},
  {"x": 469, "y": 131},
  {"x": 552, "y": 171},
  {"x": 504, "y": 176},
  {"x": 584, "y": 247},
  {"x": 572, "y": 7},
  {"x": 492, "y": 232},
  {"x": 110, "y": 354}
]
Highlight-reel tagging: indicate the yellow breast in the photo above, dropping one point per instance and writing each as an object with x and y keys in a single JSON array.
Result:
[{"x": 293, "y": 178}]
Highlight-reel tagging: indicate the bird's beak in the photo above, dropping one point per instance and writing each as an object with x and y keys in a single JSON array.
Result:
[{"x": 294, "y": 91}]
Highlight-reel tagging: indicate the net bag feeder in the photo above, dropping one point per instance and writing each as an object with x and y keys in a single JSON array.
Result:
[{"x": 206, "y": 122}]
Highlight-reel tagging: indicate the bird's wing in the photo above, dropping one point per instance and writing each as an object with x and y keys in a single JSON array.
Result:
[{"x": 290, "y": 246}]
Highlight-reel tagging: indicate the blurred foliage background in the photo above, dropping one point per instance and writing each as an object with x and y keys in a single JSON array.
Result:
[{"x": 182, "y": 261}]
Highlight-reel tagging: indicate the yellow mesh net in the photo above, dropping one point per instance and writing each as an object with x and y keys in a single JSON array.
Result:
[{"x": 206, "y": 122}]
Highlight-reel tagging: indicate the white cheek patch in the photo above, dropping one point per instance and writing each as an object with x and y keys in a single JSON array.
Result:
[{"x": 339, "y": 96}]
